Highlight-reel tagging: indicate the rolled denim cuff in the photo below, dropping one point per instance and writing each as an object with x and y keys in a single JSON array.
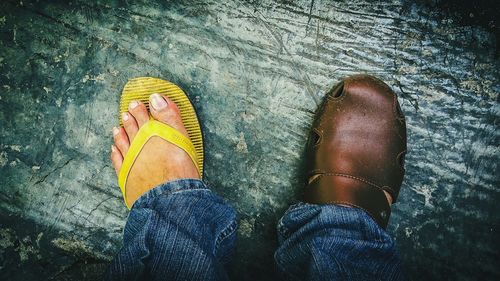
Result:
[{"x": 168, "y": 188}]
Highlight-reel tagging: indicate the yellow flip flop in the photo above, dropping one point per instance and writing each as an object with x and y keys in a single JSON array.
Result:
[{"x": 140, "y": 89}]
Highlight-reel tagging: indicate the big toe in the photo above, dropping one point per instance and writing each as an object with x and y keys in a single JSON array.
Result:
[{"x": 165, "y": 110}]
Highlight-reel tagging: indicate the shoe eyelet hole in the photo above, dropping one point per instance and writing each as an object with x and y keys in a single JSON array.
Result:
[
  {"x": 337, "y": 91},
  {"x": 315, "y": 137}
]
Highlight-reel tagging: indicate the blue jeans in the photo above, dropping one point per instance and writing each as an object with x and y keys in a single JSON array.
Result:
[{"x": 181, "y": 230}]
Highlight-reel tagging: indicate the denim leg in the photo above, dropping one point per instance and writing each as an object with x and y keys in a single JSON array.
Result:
[
  {"x": 179, "y": 230},
  {"x": 333, "y": 242}
]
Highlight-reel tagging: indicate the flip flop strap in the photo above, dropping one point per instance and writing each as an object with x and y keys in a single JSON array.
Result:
[{"x": 151, "y": 129}]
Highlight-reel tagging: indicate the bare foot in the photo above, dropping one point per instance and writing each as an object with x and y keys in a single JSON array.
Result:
[{"x": 159, "y": 161}]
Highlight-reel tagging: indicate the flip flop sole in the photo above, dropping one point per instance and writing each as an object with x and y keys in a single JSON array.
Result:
[{"x": 141, "y": 89}]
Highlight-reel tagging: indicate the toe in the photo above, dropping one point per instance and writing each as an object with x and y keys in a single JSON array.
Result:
[
  {"x": 116, "y": 159},
  {"x": 139, "y": 111},
  {"x": 121, "y": 140},
  {"x": 165, "y": 110},
  {"x": 130, "y": 125}
]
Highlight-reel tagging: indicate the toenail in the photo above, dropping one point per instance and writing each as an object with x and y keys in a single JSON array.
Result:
[
  {"x": 133, "y": 104},
  {"x": 125, "y": 116},
  {"x": 113, "y": 148},
  {"x": 115, "y": 131},
  {"x": 158, "y": 102}
]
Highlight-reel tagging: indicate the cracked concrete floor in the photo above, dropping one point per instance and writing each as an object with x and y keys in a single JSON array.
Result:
[{"x": 255, "y": 71}]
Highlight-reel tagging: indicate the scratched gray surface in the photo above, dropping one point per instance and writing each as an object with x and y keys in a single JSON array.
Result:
[{"x": 255, "y": 72}]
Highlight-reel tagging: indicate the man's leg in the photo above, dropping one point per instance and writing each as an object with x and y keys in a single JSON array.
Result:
[
  {"x": 177, "y": 231},
  {"x": 177, "y": 228},
  {"x": 355, "y": 160},
  {"x": 333, "y": 242}
]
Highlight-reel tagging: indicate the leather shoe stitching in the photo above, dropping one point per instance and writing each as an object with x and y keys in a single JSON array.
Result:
[
  {"x": 354, "y": 177},
  {"x": 321, "y": 174}
]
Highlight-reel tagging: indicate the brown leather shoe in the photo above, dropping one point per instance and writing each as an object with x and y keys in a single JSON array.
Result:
[{"x": 357, "y": 147}]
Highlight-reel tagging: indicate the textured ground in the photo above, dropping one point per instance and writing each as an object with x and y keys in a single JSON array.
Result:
[{"x": 255, "y": 71}]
